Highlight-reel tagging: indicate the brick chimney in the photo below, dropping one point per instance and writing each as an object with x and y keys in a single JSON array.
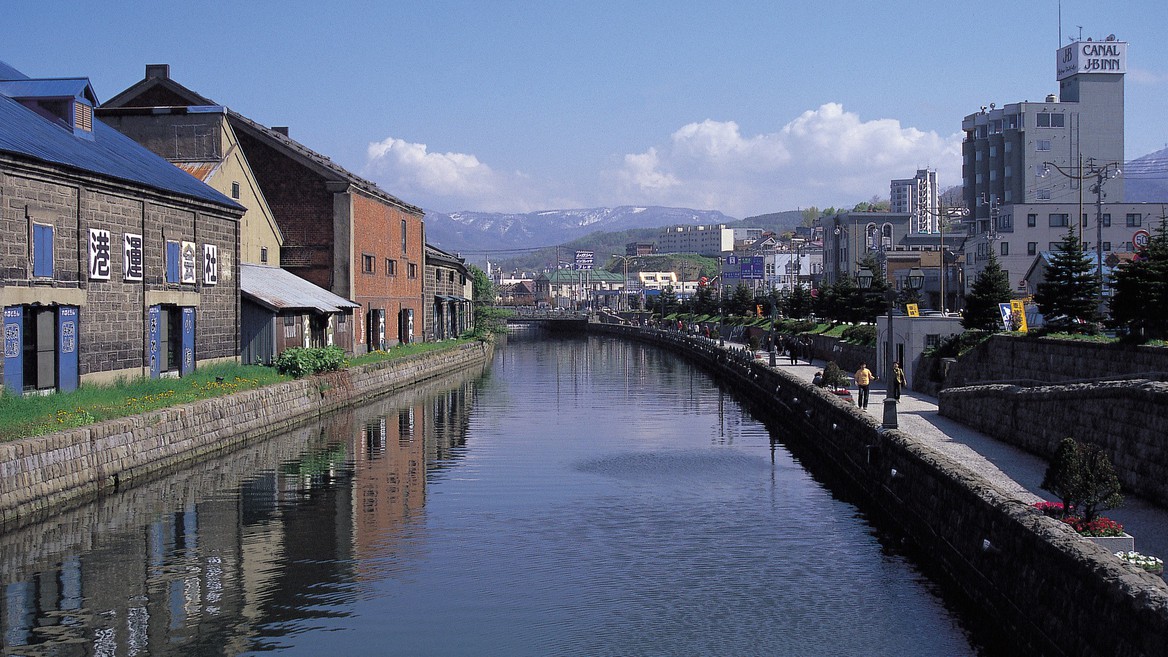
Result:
[
  {"x": 282, "y": 129},
  {"x": 158, "y": 71}
]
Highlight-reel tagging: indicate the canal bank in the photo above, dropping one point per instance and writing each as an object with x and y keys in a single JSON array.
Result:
[
  {"x": 45, "y": 473},
  {"x": 1050, "y": 591}
]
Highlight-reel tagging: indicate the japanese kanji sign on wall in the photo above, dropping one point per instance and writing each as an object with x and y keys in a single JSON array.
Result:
[
  {"x": 187, "y": 271},
  {"x": 210, "y": 264},
  {"x": 132, "y": 257},
  {"x": 100, "y": 254}
]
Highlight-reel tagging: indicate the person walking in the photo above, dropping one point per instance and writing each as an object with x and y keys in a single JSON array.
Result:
[
  {"x": 793, "y": 350},
  {"x": 864, "y": 378},
  {"x": 897, "y": 380}
]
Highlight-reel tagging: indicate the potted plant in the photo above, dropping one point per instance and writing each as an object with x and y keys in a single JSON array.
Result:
[{"x": 1082, "y": 477}]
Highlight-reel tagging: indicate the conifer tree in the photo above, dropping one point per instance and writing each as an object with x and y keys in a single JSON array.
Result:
[
  {"x": 990, "y": 288},
  {"x": 1141, "y": 290},
  {"x": 1071, "y": 284}
]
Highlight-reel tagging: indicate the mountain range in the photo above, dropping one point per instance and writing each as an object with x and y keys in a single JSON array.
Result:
[
  {"x": 1145, "y": 179},
  {"x": 478, "y": 232}
]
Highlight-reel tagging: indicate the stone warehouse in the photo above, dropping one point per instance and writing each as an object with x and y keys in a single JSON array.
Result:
[{"x": 114, "y": 263}]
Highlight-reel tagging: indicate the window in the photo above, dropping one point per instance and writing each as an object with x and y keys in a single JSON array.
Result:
[
  {"x": 289, "y": 320},
  {"x": 234, "y": 189},
  {"x": 1107, "y": 246},
  {"x": 1011, "y": 124},
  {"x": 390, "y": 267},
  {"x": 263, "y": 254},
  {"x": 1084, "y": 219},
  {"x": 403, "y": 226},
  {"x": 932, "y": 340},
  {"x": 1005, "y": 248},
  {"x": 1006, "y": 222},
  {"x": 1042, "y": 145},
  {"x": 173, "y": 261},
  {"x": 993, "y": 175},
  {"x": 437, "y": 275},
  {"x": 413, "y": 270},
  {"x": 978, "y": 178},
  {"x": 451, "y": 277},
  {"x": 1106, "y": 219},
  {"x": 1051, "y": 120},
  {"x": 981, "y": 132},
  {"x": 1134, "y": 219},
  {"x": 42, "y": 251},
  {"x": 368, "y": 264},
  {"x": 979, "y": 153},
  {"x": 1058, "y": 219},
  {"x": 1031, "y": 220},
  {"x": 1043, "y": 194},
  {"x": 1008, "y": 171},
  {"x": 994, "y": 150},
  {"x": 1032, "y": 248}
]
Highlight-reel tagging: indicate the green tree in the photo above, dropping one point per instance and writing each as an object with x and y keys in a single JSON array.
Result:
[
  {"x": 1141, "y": 290},
  {"x": 667, "y": 301},
  {"x": 990, "y": 288},
  {"x": 1100, "y": 484},
  {"x": 1064, "y": 475},
  {"x": 481, "y": 286},
  {"x": 742, "y": 303},
  {"x": 703, "y": 302},
  {"x": 1071, "y": 284},
  {"x": 798, "y": 303},
  {"x": 810, "y": 215}
]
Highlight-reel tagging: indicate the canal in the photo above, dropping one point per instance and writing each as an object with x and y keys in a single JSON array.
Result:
[{"x": 581, "y": 496}]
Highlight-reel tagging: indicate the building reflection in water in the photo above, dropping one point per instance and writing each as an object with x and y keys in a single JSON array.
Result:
[{"x": 223, "y": 557}]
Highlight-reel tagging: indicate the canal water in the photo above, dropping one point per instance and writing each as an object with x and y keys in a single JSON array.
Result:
[{"x": 581, "y": 496}]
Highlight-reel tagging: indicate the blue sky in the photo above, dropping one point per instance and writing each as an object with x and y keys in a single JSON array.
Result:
[{"x": 743, "y": 107}]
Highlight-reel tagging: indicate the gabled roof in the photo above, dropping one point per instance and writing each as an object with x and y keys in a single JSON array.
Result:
[
  {"x": 49, "y": 88},
  {"x": 158, "y": 87},
  {"x": 25, "y": 133},
  {"x": 278, "y": 289}
]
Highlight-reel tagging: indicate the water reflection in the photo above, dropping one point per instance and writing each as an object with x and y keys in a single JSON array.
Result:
[
  {"x": 585, "y": 497},
  {"x": 241, "y": 551}
]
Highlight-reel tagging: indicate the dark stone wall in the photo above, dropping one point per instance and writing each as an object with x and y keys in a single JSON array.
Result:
[{"x": 1047, "y": 590}]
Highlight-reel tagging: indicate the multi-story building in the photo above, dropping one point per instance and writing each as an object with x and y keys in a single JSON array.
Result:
[
  {"x": 1034, "y": 170},
  {"x": 917, "y": 196},
  {"x": 115, "y": 263},
  {"x": 341, "y": 232},
  {"x": 710, "y": 241}
]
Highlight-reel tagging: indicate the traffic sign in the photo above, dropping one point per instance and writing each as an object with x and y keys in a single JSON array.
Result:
[{"x": 1141, "y": 238}]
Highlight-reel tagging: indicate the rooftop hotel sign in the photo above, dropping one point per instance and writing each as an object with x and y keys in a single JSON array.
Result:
[{"x": 1092, "y": 57}]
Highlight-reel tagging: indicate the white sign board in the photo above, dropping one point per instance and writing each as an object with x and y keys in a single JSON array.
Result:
[{"x": 1091, "y": 57}]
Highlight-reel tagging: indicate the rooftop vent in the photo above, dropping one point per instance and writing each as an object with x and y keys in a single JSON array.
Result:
[
  {"x": 1051, "y": 98},
  {"x": 282, "y": 129}
]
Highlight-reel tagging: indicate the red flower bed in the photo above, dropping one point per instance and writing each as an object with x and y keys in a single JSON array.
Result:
[{"x": 1098, "y": 527}]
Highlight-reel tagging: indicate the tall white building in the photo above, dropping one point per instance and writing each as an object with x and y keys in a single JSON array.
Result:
[
  {"x": 710, "y": 241},
  {"x": 916, "y": 196}
]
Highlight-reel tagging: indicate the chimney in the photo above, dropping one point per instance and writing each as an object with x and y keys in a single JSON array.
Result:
[
  {"x": 158, "y": 71},
  {"x": 282, "y": 129}
]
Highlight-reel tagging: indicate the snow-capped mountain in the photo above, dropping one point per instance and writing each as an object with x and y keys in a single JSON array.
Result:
[
  {"x": 1145, "y": 179},
  {"x": 477, "y": 231}
]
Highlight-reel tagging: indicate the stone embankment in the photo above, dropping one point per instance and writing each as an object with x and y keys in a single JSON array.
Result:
[
  {"x": 1029, "y": 576},
  {"x": 45, "y": 472}
]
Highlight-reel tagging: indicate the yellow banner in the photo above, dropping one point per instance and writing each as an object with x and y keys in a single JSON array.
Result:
[
  {"x": 913, "y": 310},
  {"x": 1018, "y": 310}
]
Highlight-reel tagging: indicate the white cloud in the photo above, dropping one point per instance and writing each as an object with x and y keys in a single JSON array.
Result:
[
  {"x": 447, "y": 181},
  {"x": 824, "y": 157}
]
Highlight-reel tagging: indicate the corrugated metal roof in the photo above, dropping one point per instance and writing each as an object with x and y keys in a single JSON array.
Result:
[
  {"x": 109, "y": 153},
  {"x": 9, "y": 73},
  {"x": 52, "y": 88},
  {"x": 279, "y": 289},
  {"x": 200, "y": 170}
]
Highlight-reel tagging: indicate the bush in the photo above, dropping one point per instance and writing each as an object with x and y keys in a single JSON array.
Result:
[
  {"x": 834, "y": 377},
  {"x": 956, "y": 345},
  {"x": 300, "y": 361},
  {"x": 1082, "y": 477},
  {"x": 862, "y": 334}
]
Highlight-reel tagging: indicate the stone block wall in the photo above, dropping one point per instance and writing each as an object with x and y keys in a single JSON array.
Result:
[
  {"x": 1002, "y": 359},
  {"x": 42, "y": 473},
  {"x": 1047, "y": 590},
  {"x": 1128, "y": 419}
]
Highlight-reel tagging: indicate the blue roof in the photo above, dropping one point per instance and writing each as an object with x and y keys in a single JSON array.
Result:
[
  {"x": 26, "y": 133},
  {"x": 57, "y": 88}
]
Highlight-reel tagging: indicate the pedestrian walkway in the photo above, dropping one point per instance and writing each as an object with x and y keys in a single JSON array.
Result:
[{"x": 1015, "y": 472}]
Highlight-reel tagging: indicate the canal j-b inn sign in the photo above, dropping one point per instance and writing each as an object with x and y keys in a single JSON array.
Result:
[{"x": 1092, "y": 57}]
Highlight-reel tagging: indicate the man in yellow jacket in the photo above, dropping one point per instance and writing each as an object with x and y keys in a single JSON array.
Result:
[{"x": 864, "y": 379}]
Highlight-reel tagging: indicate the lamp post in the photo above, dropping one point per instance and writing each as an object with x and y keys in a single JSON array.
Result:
[
  {"x": 913, "y": 282},
  {"x": 1101, "y": 175}
]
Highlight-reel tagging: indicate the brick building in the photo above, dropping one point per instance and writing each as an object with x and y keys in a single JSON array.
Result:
[
  {"x": 114, "y": 263},
  {"x": 341, "y": 232},
  {"x": 449, "y": 290}
]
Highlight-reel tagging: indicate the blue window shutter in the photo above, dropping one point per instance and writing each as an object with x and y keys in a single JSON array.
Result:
[
  {"x": 173, "y": 256},
  {"x": 42, "y": 251}
]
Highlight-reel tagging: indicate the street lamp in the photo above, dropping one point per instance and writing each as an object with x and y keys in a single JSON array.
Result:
[
  {"x": 913, "y": 282},
  {"x": 1101, "y": 175}
]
